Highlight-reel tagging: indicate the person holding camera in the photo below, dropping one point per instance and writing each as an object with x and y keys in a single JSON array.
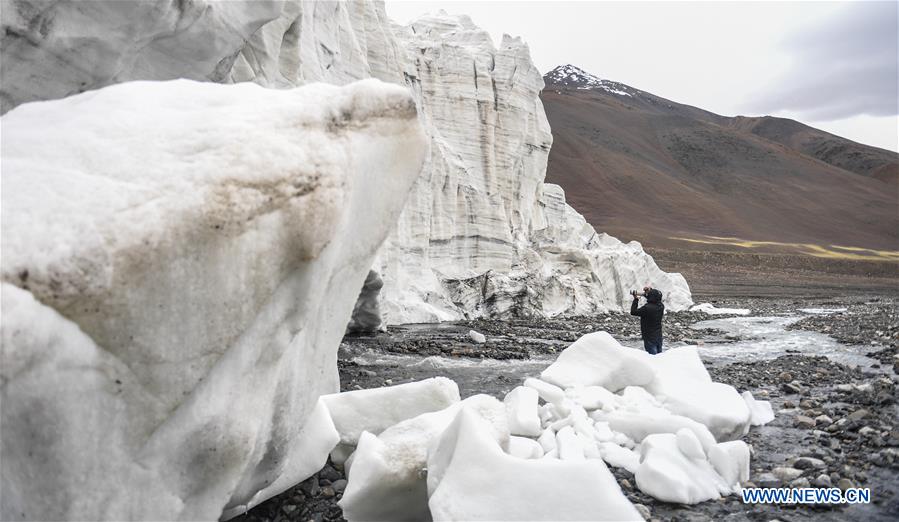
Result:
[{"x": 650, "y": 316}]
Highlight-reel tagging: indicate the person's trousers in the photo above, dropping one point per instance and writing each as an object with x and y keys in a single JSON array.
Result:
[{"x": 652, "y": 346}]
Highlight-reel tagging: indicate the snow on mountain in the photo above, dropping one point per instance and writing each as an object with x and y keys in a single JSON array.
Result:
[{"x": 571, "y": 76}]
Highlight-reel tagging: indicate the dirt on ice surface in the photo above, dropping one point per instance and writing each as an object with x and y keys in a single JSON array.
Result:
[{"x": 828, "y": 366}]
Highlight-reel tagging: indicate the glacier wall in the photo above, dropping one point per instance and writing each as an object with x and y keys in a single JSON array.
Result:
[{"x": 481, "y": 235}]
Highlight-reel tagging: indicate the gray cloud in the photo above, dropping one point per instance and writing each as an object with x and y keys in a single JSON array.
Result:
[{"x": 842, "y": 67}]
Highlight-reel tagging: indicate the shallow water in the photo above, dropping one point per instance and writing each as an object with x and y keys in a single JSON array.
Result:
[
  {"x": 767, "y": 338},
  {"x": 763, "y": 337}
]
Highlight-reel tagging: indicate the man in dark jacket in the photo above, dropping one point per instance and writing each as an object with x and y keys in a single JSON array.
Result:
[{"x": 650, "y": 316}]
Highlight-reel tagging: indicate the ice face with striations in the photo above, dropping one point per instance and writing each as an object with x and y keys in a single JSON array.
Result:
[
  {"x": 180, "y": 260},
  {"x": 481, "y": 234}
]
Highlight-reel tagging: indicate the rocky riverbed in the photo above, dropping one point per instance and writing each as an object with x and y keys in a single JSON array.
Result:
[{"x": 835, "y": 424}]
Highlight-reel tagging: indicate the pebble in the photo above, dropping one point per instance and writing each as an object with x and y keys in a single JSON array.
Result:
[
  {"x": 801, "y": 421},
  {"x": 845, "y": 484},
  {"x": 808, "y": 463},
  {"x": 791, "y": 387},
  {"x": 339, "y": 485},
  {"x": 801, "y": 482},
  {"x": 822, "y": 481},
  {"x": 823, "y": 420},
  {"x": 785, "y": 474},
  {"x": 644, "y": 511},
  {"x": 858, "y": 415},
  {"x": 767, "y": 480},
  {"x": 866, "y": 430},
  {"x": 785, "y": 377},
  {"x": 328, "y": 492}
]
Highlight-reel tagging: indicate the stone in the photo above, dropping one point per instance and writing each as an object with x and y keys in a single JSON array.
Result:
[
  {"x": 785, "y": 377},
  {"x": 845, "y": 484},
  {"x": 789, "y": 405},
  {"x": 767, "y": 480},
  {"x": 822, "y": 481},
  {"x": 858, "y": 415},
  {"x": 808, "y": 463},
  {"x": 791, "y": 387},
  {"x": 644, "y": 511},
  {"x": 823, "y": 420},
  {"x": 801, "y": 421},
  {"x": 866, "y": 431},
  {"x": 339, "y": 485},
  {"x": 799, "y": 483},
  {"x": 786, "y": 474}
]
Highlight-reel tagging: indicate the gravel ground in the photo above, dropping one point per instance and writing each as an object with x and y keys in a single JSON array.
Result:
[{"x": 834, "y": 426}]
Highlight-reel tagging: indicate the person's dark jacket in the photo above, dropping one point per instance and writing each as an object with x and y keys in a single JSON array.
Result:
[{"x": 650, "y": 315}]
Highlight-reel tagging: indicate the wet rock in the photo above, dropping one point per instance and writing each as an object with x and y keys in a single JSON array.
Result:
[
  {"x": 767, "y": 480},
  {"x": 822, "y": 481},
  {"x": 858, "y": 415},
  {"x": 801, "y": 421},
  {"x": 801, "y": 482},
  {"x": 823, "y": 420},
  {"x": 786, "y": 474},
  {"x": 791, "y": 387},
  {"x": 808, "y": 463}
]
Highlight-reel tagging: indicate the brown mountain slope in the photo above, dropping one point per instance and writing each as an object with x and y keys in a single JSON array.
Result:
[
  {"x": 846, "y": 154},
  {"x": 642, "y": 167}
]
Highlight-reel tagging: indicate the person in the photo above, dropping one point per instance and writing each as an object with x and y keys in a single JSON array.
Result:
[{"x": 650, "y": 316}]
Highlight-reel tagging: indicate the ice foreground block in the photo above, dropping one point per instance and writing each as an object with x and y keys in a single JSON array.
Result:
[
  {"x": 471, "y": 478},
  {"x": 387, "y": 478},
  {"x": 187, "y": 256}
]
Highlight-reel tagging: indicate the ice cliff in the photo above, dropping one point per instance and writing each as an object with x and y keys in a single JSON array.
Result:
[
  {"x": 480, "y": 235},
  {"x": 180, "y": 260}
]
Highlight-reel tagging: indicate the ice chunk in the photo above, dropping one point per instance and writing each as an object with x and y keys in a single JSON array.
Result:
[
  {"x": 689, "y": 445},
  {"x": 668, "y": 475},
  {"x": 521, "y": 407},
  {"x": 597, "y": 359},
  {"x": 547, "y": 440},
  {"x": 731, "y": 461},
  {"x": 387, "y": 478},
  {"x": 377, "y": 409},
  {"x": 619, "y": 457},
  {"x": 209, "y": 241},
  {"x": 638, "y": 426},
  {"x": 760, "y": 411},
  {"x": 508, "y": 488},
  {"x": 477, "y": 337},
  {"x": 548, "y": 392},
  {"x": 569, "y": 445},
  {"x": 525, "y": 448},
  {"x": 593, "y": 397},
  {"x": 684, "y": 387},
  {"x": 710, "y": 309}
]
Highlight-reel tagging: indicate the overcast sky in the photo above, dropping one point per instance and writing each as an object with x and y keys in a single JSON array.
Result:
[{"x": 832, "y": 65}]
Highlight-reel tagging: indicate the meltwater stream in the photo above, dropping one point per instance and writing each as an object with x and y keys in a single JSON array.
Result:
[
  {"x": 743, "y": 338},
  {"x": 769, "y": 338}
]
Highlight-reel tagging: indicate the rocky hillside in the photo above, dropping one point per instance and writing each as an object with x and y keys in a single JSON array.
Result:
[{"x": 643, "y": 167}]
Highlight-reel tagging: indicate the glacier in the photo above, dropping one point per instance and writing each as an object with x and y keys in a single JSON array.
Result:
[
  {"x": 177, "y": 276},
  {"x": 480, "y": 235}
]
